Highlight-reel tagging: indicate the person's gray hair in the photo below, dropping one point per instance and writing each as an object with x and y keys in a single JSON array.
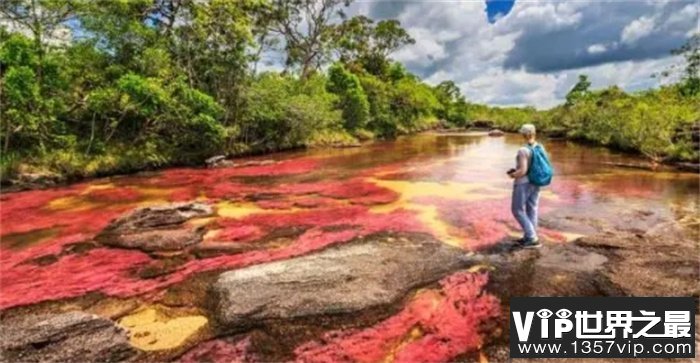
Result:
[{"x": 528, "y": 129}]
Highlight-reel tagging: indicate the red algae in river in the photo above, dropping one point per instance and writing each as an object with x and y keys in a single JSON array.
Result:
[
  {"x": 99, "y": 269},
  {"x": 481, "y": 223},
  {"x": 114, "y": 195},
  {"x": 432, "y": 327},
  {"x": 330, "y": 207},
  {"x": 113, "y": 274},
  {"x": 220, "y": 351}
]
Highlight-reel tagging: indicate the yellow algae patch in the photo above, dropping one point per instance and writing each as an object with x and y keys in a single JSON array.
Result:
[
  {"x": 428, "y": 214},
  {"x": 549, "y": 195},
  {"x": 97, "y": 187},
  {"x": 480, "y": 268},
  {"x": 82, "y": 202},
  {"x": 78, "y": 203},
  {"x": 414, "y": 334},
  {"x": 240, "y": 210},
  {"x": 154, "y": 196},
  {"x": 71, "y": 203},
  {"x": 198, "y": 222},
  {"x": 237, "y": 210},
  {"x": 150, "y": 329},
  {"x": 452, "y": 190}
]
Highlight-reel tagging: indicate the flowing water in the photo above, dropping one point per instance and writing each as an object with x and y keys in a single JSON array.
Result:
[{"x": 289, "y": 204}]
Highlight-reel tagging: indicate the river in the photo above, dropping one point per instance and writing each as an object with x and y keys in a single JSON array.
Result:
[{"x": 283, "y": 205}]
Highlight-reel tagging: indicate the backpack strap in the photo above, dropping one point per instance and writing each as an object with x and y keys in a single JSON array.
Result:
[
  {"x": 532, "y": 155},
  {"x": 532, "y": 152}
]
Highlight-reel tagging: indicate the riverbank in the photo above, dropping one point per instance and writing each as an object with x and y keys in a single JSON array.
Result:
[{"x": 64, "y": 169}]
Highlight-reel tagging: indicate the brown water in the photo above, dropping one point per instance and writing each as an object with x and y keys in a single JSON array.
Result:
[{"x": 451, "y": 186}]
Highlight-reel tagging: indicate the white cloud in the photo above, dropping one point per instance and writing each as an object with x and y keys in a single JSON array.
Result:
[
  {"x": 504, "y": 87},
  {"x": 431, "y": 48},
  {"x": 596, "y": 48},
  {"x": 690, "y": 13},
  {"x": 438, "y": 77},
  {"x": 545, "y": 16},
  {"x": 637, "y": 29},
  {"x": 467, "y": 49},
  {"x": 544, "y": 90},
  {"x": 629, "y": 75}
]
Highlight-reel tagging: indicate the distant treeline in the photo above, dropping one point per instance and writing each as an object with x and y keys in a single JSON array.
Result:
[
  {"x": 662, "y": 124},
  {"x": 93, "y": 88}
]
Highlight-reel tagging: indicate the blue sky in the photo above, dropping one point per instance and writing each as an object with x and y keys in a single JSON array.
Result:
[
  {"x": 498, "y": 8},
  {"x": 533, "y": 53}
]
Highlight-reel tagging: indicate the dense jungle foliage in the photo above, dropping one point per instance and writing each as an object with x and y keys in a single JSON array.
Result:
[{"x": 94, "y": 88}]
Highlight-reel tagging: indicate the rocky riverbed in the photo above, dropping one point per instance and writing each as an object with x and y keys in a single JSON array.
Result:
[{"x": 403, "y": 254}]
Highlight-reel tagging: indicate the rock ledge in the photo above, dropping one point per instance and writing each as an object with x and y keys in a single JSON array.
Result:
[{"x": 374, "y": 271}]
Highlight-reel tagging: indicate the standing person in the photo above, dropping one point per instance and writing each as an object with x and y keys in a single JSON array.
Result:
[{"x": 526, "y": 185}]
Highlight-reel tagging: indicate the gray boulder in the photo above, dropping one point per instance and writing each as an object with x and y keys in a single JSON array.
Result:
[
  {"x": 159, "y": 228},
  {"x": 67, "y": 337},
  {"x": 218, "y": 161},
  {"x": 375, "y": 271}
]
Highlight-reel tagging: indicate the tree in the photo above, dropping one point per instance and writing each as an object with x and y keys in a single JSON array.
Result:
[
  {"x": 40, "y": 18},
  {"x": 448, "y": 91},
  {"x": 212, "y": 48},
  {"x": 361, "y": 41},
  {"x": 414, "y": 103},
  {"x": 382, "y": 120},
  {"x": 306, "y": 29},
  {"x": 353, "y": 100},
  {"x": 29, "y": 102},
  {"x": 690, "y": 80},
  {"x": 204, "y": 44},
  {"x": 579, "y": 91},
  {"x": 453, "y": 106},
  {"x": 284, "y": 112}
]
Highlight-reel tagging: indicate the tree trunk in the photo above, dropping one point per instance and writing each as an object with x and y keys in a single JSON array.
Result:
[
  {"x": 92, "y": 134},
  {"x": 6, "y": 145}
]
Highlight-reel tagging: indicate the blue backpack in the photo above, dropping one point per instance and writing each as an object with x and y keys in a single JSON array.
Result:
[{"x": 540, "y": 171}]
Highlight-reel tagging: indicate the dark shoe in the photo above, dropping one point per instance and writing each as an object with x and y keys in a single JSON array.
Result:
[{"x": 531, "y": 243}]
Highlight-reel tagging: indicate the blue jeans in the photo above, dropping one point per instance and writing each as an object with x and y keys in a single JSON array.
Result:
[{"x": 524, "y": 207}]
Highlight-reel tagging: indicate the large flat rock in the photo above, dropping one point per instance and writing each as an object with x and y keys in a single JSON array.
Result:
[
  {"x": 67, "y": 337},
  {"x": 371, "y": 272}
]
